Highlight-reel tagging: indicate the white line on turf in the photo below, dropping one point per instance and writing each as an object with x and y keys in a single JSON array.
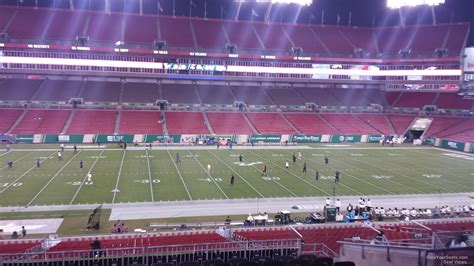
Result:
[
  {"x": 279, "y": 183},
  {"x": 383, "y": 169},
  {"x": 414, "y": 170},
  {"x": 25, "y": 173},
  {"x": 305, "y": 181},
  {"x": 367, "y": 183},
  {"x": 52, "y": 178},
  {"x": 5, "y": 153},
  {"x": 245, "y": 180},
  {"x": 209, "y": 174},
  {"x": 454, "y": 159},
  {"x": 180, "y": 176},
  {"x": 16, "y": 160},
  {"x": 83, "y": 181},
  {"x": 118, "y": 177},
  {"x": 348, "y": 187},
  {"x": 149, "y": 176}
]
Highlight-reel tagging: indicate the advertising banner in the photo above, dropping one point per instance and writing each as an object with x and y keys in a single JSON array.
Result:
[
  {"x": 102, "y": 138},
  {"x": 345, "y": 138},
  {"x": 306, "y": 138},
  {"x": 454, "y": 145},
  {"x": 265, "y": 138}
]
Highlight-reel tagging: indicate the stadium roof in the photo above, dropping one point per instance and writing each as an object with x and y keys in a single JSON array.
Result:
[{"x": 343, "y": 12}]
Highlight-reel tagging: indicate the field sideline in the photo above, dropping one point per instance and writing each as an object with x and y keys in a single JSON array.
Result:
[{"x": 154, "y": 176}]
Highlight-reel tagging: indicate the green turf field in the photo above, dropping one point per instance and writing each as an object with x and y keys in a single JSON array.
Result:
[{"x": 141, "y": 175}]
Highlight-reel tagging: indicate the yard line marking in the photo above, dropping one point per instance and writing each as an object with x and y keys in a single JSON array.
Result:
[
  {"x": 348, "y": 187},
  {"x": 245, "y": 180},
  {"x": 307, "y": 182},
  {"x": 118, "y": 176},
  {"x": 359, "y": 161},
  {"x": 5, "y": 153},
  {"x": 366, "y": 182},
  {"x": 16, "y": 160},
  {"x": 452, "y": 159},
  {"x": 83, "y": 181},
  {"x": 149, "y": 175},
  {"x": 278, "y": 183},
  {"x": 24, "y": 174},
  {"x": 51, "y": 179},
  {"x": 180, "y": 176},
  {"x": 387, "y": 162},
  {"x": 427, "y": 182},
  {"x": 209, "y": 174}
]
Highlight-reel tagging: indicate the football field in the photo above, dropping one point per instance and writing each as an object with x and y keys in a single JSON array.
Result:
[{"x": 120, "y": 176}]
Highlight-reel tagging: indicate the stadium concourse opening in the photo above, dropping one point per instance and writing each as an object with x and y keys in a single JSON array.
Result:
[{"x": 206, "y": 132}]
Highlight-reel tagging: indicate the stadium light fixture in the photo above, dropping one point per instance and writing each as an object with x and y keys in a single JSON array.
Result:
[{"x": 393, "y": 4}]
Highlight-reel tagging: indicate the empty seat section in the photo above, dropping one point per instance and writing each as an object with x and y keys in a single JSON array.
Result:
[
  {"x": 310, "y": 124},
  {"x": 270, "y": 123},
  {"x": 66, "y": 25},
  {"x": 140, "y": 122},
  {"x": 333, "y": 40},
  {"x": 58, "y": 90},
  {"x": 401, "y": 122},
  {"x": 105, "y": 28},
  {"x": 428, "y": 38},
  {"x": 216, "y": 94},
  {"x": 267, "y": 234},
  {"x": 242, "y": 34},
  {"x": 29, "y": 23},
  {"x": 459, "y": 130},
  {"x": 179, "y": 93},
  {"x": 5, "y": 15},
  {"x": 457, "y": 36},
  {"x": 392, "y": 96},
  {"x": 92, "y": 122},
  {"x": 303, "y": 37},
  {"x": 186, "y": 123},
  {"x": 95, "y": 91},
  {"x": 415, "y": 99},
  {"x": 273, "y": 37},
  {"x": 453, "y": 101},
  {"x": 140, "y": 93},
  {"x": 209, "y": 34},
  {"x": 361, "y": 38},
  {"x": 464, "y": 136},
  {"x": 7, "y": 118},
  {"x": 441, "y": 123},
  {"x": 12, "y": 247},
  {"x": 391, "y": 40},
  {"x": 319, "y": 96},
  {"x": 252, "y": 95},
  {"x": 147, "y": 25},
  {"x": 42, "y": 122},
  {"x": 330, "y": 235},
  {"x": 18, "y": 89},
  {"x": 169, "y": 27},
  {"x": 358, "y": 97},
  {"x": 377, "y": 121},
  {"x": 349, "y": 124},
  {"x": 229, "y": 123},
  {"x": 285, "y": 96}
]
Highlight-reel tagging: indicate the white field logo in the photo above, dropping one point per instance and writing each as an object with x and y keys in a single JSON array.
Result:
[
  {"x": 247, "y": 164},
  {"x": 431, "y": 176},
  {"x": 382, "y": 176}
]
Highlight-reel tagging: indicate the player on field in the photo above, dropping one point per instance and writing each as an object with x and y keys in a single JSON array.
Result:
[
  {"x": 337, "y": 175},
  {"x": 60, "y": 156},
  {"x": 62, "y": 147},
  {"x": 10, "y": 164},
  {"x": 287, "y": 165},
  {"x": 178, "y": 160},
  {"x": 317, "y": 175},
  {"x": 81, "y": 164},
  {"x": 38, "y": 163},
  {"x": 264, "y": 171},
  {"x": 75, "y": 148},
  {"x": 240, "y": 157},
  {"x": 232, "y": 178},
  {"x": 8, "y": 147},
  {"x": 209, "y": 168},
  {"x": 299, "y": 155},
  {"x": 326, "y": 160},
  {"x": 294, "y": 158},
  {"x": 304, "y": 167}
]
